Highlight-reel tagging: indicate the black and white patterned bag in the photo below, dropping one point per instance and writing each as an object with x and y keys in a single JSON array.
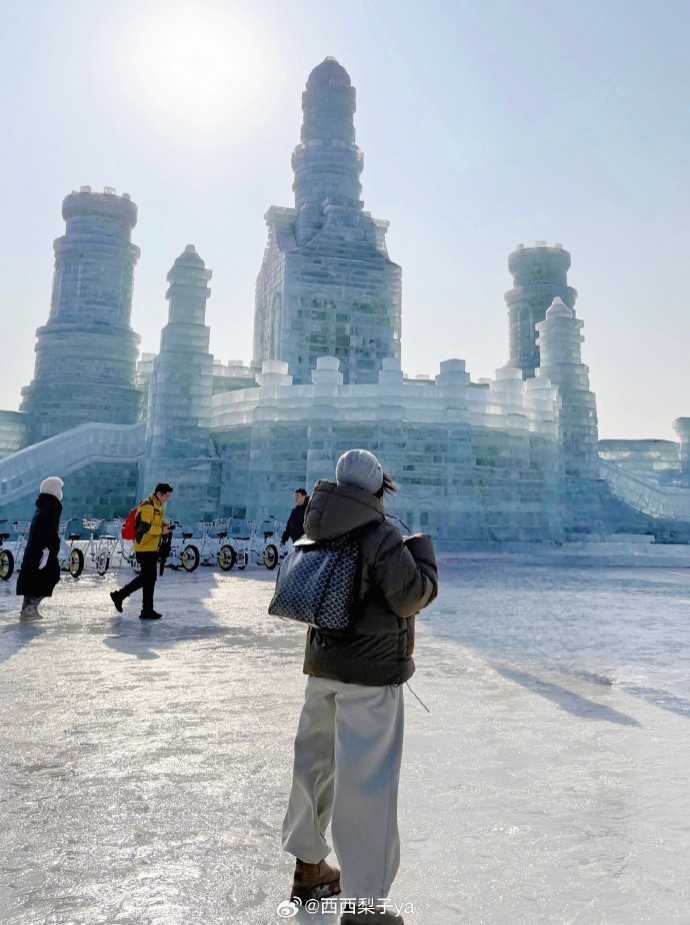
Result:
[{"x": 318, "y": 584}]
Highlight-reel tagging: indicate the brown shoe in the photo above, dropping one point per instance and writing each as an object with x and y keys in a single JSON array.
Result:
[{"x": 314, "y": 881}]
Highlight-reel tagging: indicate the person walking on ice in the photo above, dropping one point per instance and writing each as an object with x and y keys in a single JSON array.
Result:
[
  {"x": 348, "y": 747},
  {"x": 40, "y": 570},
  {"x": 294, "y": 528},
  {"x": 150, "y": 527}
]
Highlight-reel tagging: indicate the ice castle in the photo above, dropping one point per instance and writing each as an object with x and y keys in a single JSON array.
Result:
[{"x": 509, "y": 460}]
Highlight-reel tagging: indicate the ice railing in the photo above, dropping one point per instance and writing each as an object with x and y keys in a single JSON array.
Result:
[
  {"x": 645, "y": 495},
  {"x": 22, "y": 472}
]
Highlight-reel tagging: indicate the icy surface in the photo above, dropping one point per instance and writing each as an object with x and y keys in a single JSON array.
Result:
[{"x": 144, "y": 768}]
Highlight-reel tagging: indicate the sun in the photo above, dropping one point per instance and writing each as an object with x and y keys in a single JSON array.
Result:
[{"x": 199, "y": 68}]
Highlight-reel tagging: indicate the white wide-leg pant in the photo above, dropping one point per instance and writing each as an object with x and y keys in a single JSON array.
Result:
[{"x": 348, "y": 751}]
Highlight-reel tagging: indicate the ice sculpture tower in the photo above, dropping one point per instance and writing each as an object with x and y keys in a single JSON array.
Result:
[
  {"x": 86, "y": 353},
  {"x": 326, "y": 284},
  {"x": 559, "y": 340},
  {"x": 539, "y": 276},
  {"x": 178, "y": 422}
]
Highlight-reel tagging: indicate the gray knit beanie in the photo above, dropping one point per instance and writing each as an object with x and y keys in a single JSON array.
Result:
[{"x": 361, "y": 469}]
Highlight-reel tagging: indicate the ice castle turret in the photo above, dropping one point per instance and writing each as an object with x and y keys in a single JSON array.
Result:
[
  {"x": 86, "y": 353},
  {"x": 327, "y": 285},
  {"x": 180, "y": 390},
  {"x": 559, "y": 340},
  {"x": 539, "y": 276}
]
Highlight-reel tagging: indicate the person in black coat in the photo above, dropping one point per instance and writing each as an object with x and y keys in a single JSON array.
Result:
[
  {"x": 40, "y": 570},
  {"x": 294, "y": 528}
]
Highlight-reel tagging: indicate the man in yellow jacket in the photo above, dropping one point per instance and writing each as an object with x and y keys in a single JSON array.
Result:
[{"x": 150, "y": 528}]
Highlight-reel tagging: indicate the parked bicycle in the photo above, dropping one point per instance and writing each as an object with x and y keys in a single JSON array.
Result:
[
  {"x": 119, "y": 552},
  {"x": 183, "y": 554},
  {"x": 21, "y": 529},
  {"x": 258, "y": 548},
  {"x": 123, "y": 555},
  {"x": 99, "y": 547},
  {"x": 213, "y": 548},
  {"x": 70, "y": 557},
  {"x": 6, "y": 556}
]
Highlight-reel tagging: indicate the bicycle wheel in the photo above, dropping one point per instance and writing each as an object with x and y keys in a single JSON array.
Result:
[
  {"x": 75, "y": 563},
  {"x": 270, "y": 557},
  {"x": 6, "y": 564},
  {"x": 102, "y": 562},
  {"x": 226, "y": 557},
  {"x": 189, "y": 558}
]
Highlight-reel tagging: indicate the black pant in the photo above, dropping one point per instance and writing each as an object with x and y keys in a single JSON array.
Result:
[{"x": 146, "y": 580}]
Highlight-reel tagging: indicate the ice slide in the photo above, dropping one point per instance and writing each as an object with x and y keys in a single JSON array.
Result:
[
  {"x": 645, "y": 495},
  {"x": 22, "y": 472}
]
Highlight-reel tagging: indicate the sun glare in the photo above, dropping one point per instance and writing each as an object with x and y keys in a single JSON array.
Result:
[{"x": 201, "y": 69}]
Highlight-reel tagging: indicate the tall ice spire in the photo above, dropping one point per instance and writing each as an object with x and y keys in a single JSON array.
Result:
[
  {"x": 178, "y": 423},
  {"x": 327, "y": 162},
  {"x": 327, "y": 286}
]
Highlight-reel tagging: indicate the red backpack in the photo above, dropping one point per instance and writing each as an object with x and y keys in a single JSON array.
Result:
[{"x": 129, "y": 525}]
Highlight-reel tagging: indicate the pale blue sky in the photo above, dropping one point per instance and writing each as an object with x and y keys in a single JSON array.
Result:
[{"x": 483, "y": 124}]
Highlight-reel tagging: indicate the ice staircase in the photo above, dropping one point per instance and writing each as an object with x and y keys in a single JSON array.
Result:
[
  {"x": 645, "y": 495},
  {"x": 22, "y": 472}
]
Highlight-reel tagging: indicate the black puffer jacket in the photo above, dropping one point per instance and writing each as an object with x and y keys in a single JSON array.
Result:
[
  {"x": 399, "y": 578},
  {"x": 32, "y": 581},
  {"x": 294, "y": 528}
]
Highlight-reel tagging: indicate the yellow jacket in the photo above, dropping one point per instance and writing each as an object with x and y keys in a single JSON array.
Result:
[{"x": 149, "y": 524}]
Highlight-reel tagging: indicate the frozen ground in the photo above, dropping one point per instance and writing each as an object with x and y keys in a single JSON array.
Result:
[{"x": 144, "y": 767}]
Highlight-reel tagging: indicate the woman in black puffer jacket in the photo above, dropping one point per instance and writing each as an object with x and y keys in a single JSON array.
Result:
[
  {"x": 40, "y": 570},
  {"x": 348, "y": 747}
]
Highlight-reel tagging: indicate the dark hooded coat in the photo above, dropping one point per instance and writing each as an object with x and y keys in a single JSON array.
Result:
[
  {"x": 399, "y": 578},
  {"x": 43, "y": 534},
  {"x": 294, "y": 528}
]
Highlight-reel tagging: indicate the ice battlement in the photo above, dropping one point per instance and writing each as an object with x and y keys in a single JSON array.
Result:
[{"x": 510, "y": 402}]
